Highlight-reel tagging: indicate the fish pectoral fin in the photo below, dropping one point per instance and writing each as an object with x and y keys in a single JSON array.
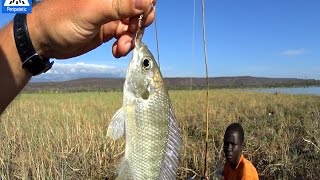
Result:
[
  {"x": 116, "y": 127},
  {"x": 124, "y": 171}
]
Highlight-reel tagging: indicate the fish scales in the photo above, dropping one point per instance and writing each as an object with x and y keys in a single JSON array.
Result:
[{"x": 146, "y": 118}]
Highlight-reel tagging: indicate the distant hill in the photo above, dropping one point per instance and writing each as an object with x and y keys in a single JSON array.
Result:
[{"x": 116, "y": 84}]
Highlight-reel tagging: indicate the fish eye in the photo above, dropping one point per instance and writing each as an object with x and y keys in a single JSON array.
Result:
[{"x": 146, "y": 64}]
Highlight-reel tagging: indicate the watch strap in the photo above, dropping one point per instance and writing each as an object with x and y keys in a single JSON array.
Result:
[
  {"x": 22, "y": 38},
  {"x": 33, "y": 62}
]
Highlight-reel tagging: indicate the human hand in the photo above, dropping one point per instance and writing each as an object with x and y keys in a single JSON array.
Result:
[{"x": 63, "y": 29}]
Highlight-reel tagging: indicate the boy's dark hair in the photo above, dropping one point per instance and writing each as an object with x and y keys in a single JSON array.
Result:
[{"x": 236, "y": 127}]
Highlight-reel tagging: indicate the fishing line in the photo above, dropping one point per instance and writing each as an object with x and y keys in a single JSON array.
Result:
[
  {"x": 156, "y": 29},
  {"x": 193, "y": 32},
  {"x": 205, "y": 173}
]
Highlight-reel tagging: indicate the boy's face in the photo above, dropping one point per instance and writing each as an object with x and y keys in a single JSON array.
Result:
[{"x": 232, "y": 148}]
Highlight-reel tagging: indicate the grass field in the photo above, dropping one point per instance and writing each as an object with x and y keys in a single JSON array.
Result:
[{"x": 63, "y": 136}]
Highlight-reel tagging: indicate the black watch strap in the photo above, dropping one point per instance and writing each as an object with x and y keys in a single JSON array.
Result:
[{"x": 33, "y": 62}]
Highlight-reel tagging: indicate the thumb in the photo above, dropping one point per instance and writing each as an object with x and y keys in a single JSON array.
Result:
[{"x": 121, "y": 9}]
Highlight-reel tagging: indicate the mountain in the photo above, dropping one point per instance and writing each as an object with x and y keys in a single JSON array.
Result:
[{"x": 116, "y": 84}]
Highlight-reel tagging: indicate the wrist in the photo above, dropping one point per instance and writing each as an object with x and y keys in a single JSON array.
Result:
[
  {"x": 9, "y": 56},
  {"x": 36, "y": 33}
]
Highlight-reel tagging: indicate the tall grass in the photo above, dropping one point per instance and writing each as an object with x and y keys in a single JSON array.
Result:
[{"x": 63, "y": 136}]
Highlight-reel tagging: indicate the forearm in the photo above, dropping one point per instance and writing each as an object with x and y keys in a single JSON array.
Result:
[
  {"x": 12, "y": 76},
  {"x": 57, "y": 30}
]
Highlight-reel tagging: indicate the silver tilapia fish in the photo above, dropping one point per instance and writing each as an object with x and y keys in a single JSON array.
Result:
[{"x": 146, "y": 118}]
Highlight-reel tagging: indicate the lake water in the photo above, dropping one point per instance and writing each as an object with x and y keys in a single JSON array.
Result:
[{"x": 298, "y": 90}]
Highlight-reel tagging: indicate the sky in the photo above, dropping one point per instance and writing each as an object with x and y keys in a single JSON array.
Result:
[{"x": 265, "y": 38}]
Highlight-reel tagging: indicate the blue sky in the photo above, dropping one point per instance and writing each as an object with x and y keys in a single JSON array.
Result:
[{"x": 265, "y": 38}]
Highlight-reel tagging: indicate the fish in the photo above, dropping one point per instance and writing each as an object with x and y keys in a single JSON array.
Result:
[{"x": 147, "y": 121}]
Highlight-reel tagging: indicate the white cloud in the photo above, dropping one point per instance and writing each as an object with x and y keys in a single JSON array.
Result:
[
  {"x": 293, "y": 52},
  {"x": 62, "y": 72},
  {"x": 83, "y": 68}
]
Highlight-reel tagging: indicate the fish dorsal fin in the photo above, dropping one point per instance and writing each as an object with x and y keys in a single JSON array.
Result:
[
  {"x": 171, "y": 156},
  {"x": 116, "y": 127}
]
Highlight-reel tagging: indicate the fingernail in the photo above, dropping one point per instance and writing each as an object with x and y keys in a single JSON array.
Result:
[{"x": 139, "y": 4}]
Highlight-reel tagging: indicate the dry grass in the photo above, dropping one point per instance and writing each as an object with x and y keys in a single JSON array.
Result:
[{"x": 62, "y": 136}]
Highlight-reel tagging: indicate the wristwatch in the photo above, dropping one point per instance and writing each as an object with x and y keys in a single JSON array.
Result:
[{"x": 31, "y": 60}]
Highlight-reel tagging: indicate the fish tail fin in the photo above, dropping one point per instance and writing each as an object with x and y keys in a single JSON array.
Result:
[{"x": 124, "y": 171}]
